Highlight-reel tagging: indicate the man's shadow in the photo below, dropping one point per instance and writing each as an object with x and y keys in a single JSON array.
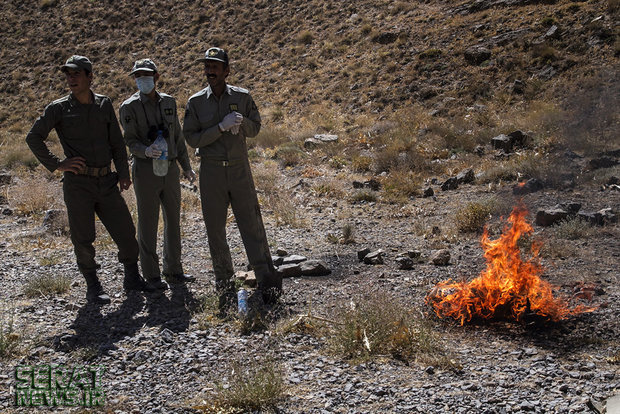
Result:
[{"x": 99, "y": 333}]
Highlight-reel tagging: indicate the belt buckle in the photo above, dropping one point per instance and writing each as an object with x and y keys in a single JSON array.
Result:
[{"x": 225, "y": 164}]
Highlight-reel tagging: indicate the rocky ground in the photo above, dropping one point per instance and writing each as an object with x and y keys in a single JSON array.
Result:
[{"x": 158, "y": 357}]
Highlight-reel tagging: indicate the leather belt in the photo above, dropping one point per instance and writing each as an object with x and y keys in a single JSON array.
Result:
[
  {"x": 222, "y": 163},
  {"x": 95, "y": 171}
]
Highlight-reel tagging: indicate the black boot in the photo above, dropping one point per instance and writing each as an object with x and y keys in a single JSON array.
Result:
[
  {"x": 94, "y": 291},
  {"x": 133, "y": 280}
]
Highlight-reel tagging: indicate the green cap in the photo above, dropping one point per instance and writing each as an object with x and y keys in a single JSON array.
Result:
[
  {"x": 146, "y": 65},
  {"x": 215, "y": 53},
  {"x": 77, "y": 62}
]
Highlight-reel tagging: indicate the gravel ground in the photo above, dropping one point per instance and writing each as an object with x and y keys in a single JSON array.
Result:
[{"x": 159, "y": 358}]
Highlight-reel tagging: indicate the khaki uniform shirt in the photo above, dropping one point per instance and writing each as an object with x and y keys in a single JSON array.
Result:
[
  {"x": 203, "y": 113},
  {"x": 139, "y": 113},
  {"x": 90, "y": 131}
]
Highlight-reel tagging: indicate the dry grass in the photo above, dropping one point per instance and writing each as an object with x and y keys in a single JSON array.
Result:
[
  {"x": 379, "y": 324},
  {"x": 34, "y": 193},
  {"x": 46, "y": 285},
  {"x": 10, "y": 338},
  {"x": 472, "y": 217},
  {"x": 251, "y": 385}
]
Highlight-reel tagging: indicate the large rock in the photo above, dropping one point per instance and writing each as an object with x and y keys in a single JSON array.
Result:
[
  {"x": 530, "y": 186},
  {"x": 549, "y": 217},
  {"x": 475, "y": 55},
  {"x": 441, "y": 257},
  {"x": 319, "y": 139},
  {"x": 451, "y": 183},
  {"x": 508, "y": 142},
  {"x": 314, "y": 268},
  {"x": 374, "y": 258},
  {"x": 293, "y": 259},
  {"x": 290, "y": 270},
  {"x": 466, "y": 176}
]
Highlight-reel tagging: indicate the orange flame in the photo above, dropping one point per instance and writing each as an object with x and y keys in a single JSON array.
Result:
[{"x": 509, "y": 288}]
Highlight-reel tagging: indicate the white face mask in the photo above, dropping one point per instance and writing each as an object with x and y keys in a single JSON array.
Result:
[{"x": 145, "y": 84}]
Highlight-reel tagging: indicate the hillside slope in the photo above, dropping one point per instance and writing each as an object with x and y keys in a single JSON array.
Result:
[{"x": 363, "y": 57}]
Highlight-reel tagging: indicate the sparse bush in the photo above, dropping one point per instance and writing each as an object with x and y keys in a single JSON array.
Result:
[
  {"x": 337, "y": 163},
  {"x": 399, "y": 186},
  {"x": 379, "y": 324},
  {"x": 254, "y": 386},
  {"x": 269, "y": 138},
  {"x": 305, "y": 37},
  {"x": 289, "y": 155},
  {"x": 34, "y": 194},
  {"x": 361, "y": 163},
  {"x": 45, "y": 285},
  {"x": 573, "y": 229},
  {"x": 474, "y": 215},
  {"x": 9, "y": 337},
  {"x": 430, "y": 54}
]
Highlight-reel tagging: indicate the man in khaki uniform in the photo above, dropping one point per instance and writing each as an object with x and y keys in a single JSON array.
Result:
[
  {"x": 217, "y": 121},
  {"x": 142, "y": 115},
  {"x": 91, "y": 138}
]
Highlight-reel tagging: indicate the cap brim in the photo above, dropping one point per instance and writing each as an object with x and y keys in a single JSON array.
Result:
[
  {"x": 69, "y": 66},
  {"x": 202, "y": 60},
  {"x": 142, "y": 69}
]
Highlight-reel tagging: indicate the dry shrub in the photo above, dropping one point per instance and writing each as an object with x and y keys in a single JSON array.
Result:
[
  {"x": 399, "y": 186},
  {"x": 45, "y": 285},
  {"x": 361, "y": 163},
  {"x": 34, "y": 193},
  {"x": 377, "y": 323},
  {"x": 474, "y": 215},
  {"x": 591, "y": 123},
  {"x": 364, "y": 195},
  {"x": 254, "y": 385},
  {"x": 268, "y": 138},
  {"x": 572, "y": 229}
]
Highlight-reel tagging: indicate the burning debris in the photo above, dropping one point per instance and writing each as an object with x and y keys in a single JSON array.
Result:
[{"x": 510, "y": 287}]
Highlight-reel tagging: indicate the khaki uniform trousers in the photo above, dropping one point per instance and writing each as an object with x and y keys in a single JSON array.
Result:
[
  {"x": 151, "y": 193},
  {"x": 221, "y": 186},
  {"x": 86, "y": 196}
]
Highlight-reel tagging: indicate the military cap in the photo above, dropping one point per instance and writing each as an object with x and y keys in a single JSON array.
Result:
[
  {"x": 143, "y": 64},
  {"x": 77, "y": 62},
  {"x": 215, "y": 53}
]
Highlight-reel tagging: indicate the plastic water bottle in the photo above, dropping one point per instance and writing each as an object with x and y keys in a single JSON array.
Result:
[
  {"x": 160, "y": 165},
  {"x": 242, "y": 302}
]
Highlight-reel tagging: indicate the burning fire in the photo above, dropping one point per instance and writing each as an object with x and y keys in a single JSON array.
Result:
[{"x": 510, "y": 287}]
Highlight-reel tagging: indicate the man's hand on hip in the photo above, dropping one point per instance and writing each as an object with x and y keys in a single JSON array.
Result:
[{"x": 73, "y": 164}]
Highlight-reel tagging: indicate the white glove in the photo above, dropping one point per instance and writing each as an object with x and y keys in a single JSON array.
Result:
[
  {"x": 190, "y": 175},
  {"x": 235, "y": 129},
  {"x": 232, "y": 119},
  {"x": 152, "y": 151}
]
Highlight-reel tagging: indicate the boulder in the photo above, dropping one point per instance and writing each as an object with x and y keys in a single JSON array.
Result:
[
  {"x": 549, "y": 217},
  {"x": 475, "y": 55},
  {"x": 441, "y": 257},
  {"x": 374, "y": 258},
  {"x": 314, "y": 268},
  {"x": 290, "y": 270},
  {"x": 451, "y": 183}
]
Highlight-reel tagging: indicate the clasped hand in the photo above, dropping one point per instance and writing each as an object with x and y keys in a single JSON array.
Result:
[{"x": 230, "y": 121}]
